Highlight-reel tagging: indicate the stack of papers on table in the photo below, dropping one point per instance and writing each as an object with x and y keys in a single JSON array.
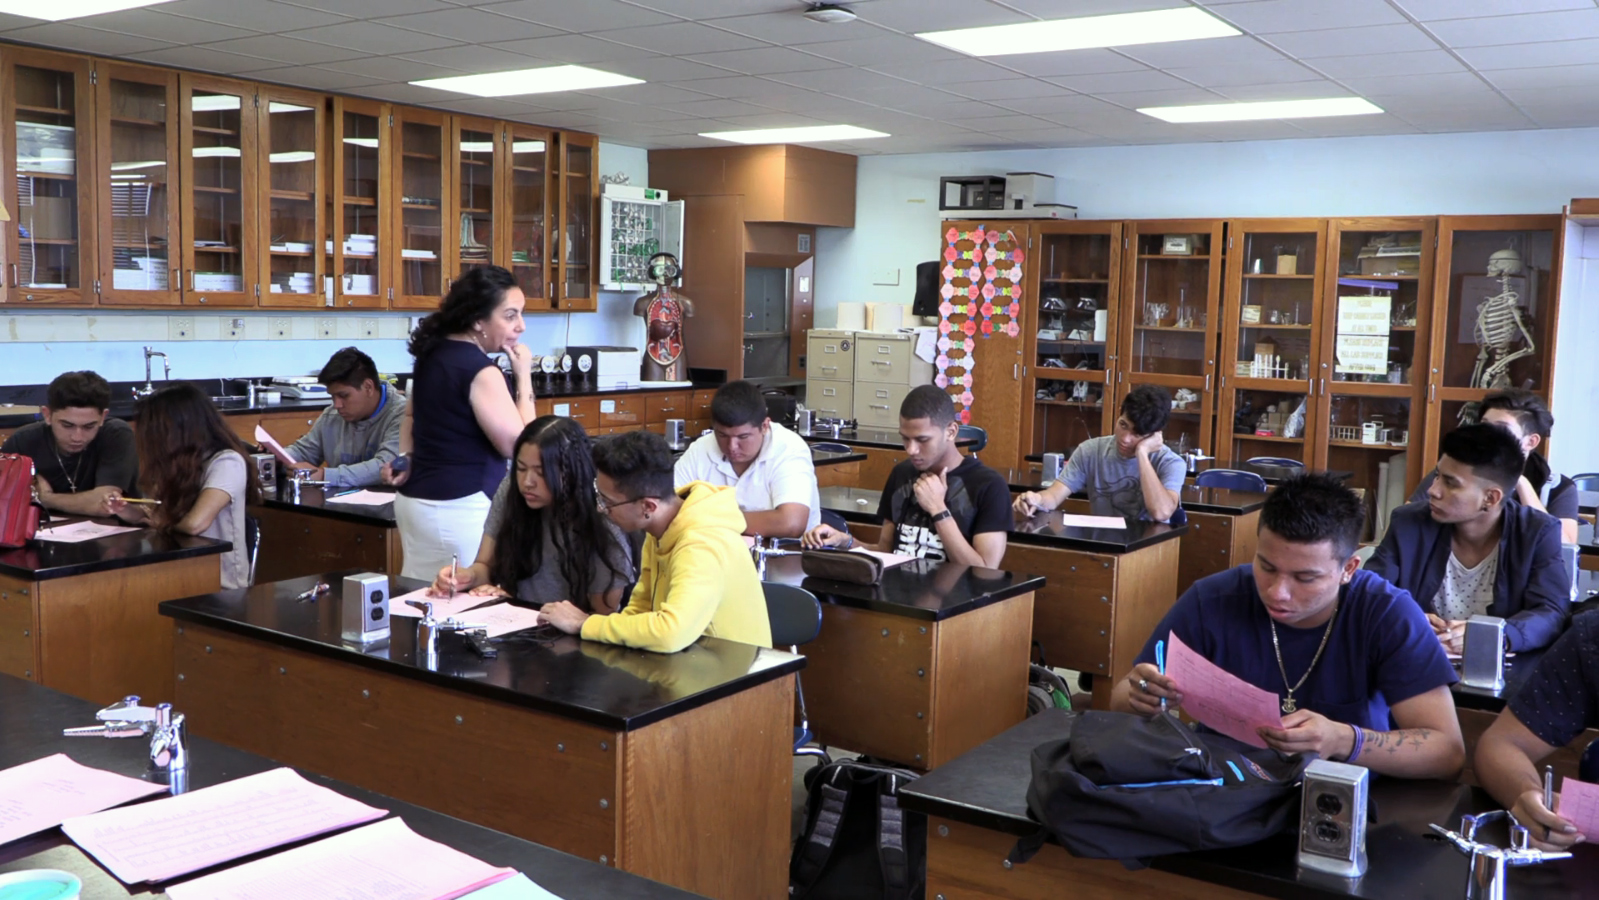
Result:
[
  {"x": 362, "y": 498},
  {"x": 44, "y": 793},
  {"x": 442, "y": 606},
  {"x": 78, "y": 532},
  {"x": 502, "y": 618}
]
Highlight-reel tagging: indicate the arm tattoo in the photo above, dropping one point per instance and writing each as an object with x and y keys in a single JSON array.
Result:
[{"x": 1394, "y": 741}]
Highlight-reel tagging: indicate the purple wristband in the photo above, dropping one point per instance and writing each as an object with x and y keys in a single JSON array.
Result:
[{"x": 1360, "y": 742}]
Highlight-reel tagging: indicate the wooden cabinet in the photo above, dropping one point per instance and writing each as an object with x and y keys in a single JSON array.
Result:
[
  {"x": 290, "y": 171},
  {"x": 530, "y": 208},
  {"x": 424, "y": 192},
  {"x": 361, "y": 191},
  {"x": 572, "y": 244},
  {"x": 473, "y": 221},
  {"x": 50, "y": 248},
  {"x": 137, "y": 163},
  {"x": 220, "y": 211}
]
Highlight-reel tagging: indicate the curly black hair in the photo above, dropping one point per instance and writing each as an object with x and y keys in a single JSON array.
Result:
[
  {"x": 1315, "y": 507},
  {"x": 1146, "y": 408},
  {"x": 472, "y": 298}
]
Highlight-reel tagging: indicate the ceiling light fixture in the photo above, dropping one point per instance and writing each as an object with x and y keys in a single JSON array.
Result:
[
  {"x": 829, "y": 13},
  {"x": 1121, "y": 30},
  {"x": 57, "y": 10},
  {"x": 529, "y": 81},
  {"x": 806, "y": 134},
  {"x": 1269, "y": 109}
]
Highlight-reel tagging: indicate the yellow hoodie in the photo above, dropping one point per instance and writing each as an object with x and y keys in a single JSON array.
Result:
[{"x": 696, "y": 579}]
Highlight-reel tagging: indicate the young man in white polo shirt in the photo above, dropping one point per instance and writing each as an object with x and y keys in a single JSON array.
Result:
[{"x": 769, "y": 466}]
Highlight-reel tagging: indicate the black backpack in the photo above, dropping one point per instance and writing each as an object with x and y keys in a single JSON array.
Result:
[
  {"x": 1127, "y": 787},
  {"x": 858, "y": 844}
]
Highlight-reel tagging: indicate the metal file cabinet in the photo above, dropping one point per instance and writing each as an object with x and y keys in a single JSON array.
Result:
[
  {"x": 830, "y": 373},
  {"x": 886, "y": 368}
]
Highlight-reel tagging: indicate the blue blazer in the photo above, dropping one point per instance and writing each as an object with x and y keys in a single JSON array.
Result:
[{"x": 1532, "y": 590}]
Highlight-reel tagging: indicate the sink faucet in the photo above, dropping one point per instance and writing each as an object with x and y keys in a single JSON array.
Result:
[
  {"x": 428, "y": 629},
  {"x": 149, "y": 387},
  {"x": 169, "y": 747}
]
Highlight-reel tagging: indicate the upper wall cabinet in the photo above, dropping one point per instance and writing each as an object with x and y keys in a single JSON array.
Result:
[
  {"x": 573, "y": 246},
  {"x": 530, "y": 203},
  {"x": 50, "y": 247},
  {"x": 424, "y": 248},
  {"x": 220, "y": 210},
  {"x": 474, "y": 220},
  {"x": 360, "y": 193},
  {"x": 290, "y": 162},
  {"x": 137, "y": 162}
]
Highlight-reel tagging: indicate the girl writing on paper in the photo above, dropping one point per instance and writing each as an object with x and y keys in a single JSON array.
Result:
[{"x": 545, "y": 538}]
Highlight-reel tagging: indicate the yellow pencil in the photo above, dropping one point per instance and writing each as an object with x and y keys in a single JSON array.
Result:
[{"x": 141, "y": 500}]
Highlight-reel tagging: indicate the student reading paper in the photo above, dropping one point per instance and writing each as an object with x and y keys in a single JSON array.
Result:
[
  {"x": 360, "y": 432},
  {"x": 86, "y": 463}
]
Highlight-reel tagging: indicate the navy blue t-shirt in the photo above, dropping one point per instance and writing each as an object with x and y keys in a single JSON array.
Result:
[
  {"x": 1381, "y": 651},
  {"x": 451, "y": 457},
  {"x": 1561, "y": 697}
]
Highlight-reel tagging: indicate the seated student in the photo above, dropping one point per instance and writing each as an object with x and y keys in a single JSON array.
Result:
[
  {"x": 1556, "y": 704},
  {"x": 768, "y": 465},
  {"x": 196, "y": 467},
  {"x": 1523, "y": 414},
  {"x": 545, "y": 539},
  {"x": 937, "y": 504},
  {"x": 1130, "y": 473},
  {"x": 360, "y": 431},
  {"x": 1469, "y": 549},
  {"x": 1361, "y": 677},
  {"x": 696, "y": 577},
  {"x": 84, "y": 462}
]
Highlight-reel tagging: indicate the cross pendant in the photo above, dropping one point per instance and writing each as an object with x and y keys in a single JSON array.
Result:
[{"x": 1288, "y": 704}]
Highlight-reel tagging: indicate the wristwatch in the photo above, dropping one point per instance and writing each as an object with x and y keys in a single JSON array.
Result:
[{"x": 942, "y": 516}]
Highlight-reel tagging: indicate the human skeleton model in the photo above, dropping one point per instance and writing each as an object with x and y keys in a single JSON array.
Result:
[
  {"x": 663, "y": 311},
  {"x": 1498, "y": 325}
]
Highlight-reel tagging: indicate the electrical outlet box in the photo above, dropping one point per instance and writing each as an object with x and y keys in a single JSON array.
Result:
[
  {"x": 180, "y": 328},
  {"x": 233, "y": 329},
  {"x": 803, "y": 245},
  {"x": 327, "y": 328},
  {"x": 886, "y": 276},
  {"x": 281, "y": 328},
  {"x": 369, "y": 329}
]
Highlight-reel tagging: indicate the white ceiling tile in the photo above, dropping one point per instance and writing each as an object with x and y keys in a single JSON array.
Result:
[
  {"x": 391, "y": 68},
  {"x": 637, "y": 113},
  {"x": 1432, "y": 10},
  {"x": 948, "y": 72},
  {"x": 312, "y": 77},
  {"x": 711, "y": 9},
  {"x": 1007, "y": 89},
  {"x": 205, "y": 59},
  {"x": 71, "y": 36},
  {"x": 788, "y": 28},
  {"x": 1354, "y": 41},
  {"x": 401, "y": 92},
  {"x": 954, "y": 110},
  {"x": 662, "y": 68},
  {"x": 1209, "y": 52},
  {"x": 844, "y": 81},
  {"x": 1526, "y": 56},
  {"x": 970, "y": 141},
  {"x": 884, "y": 47},
  {"x": 285, "y": 49},
  {"x": 717, "y": 106},
  {"x": 937, "y": 15},
  {"x": 681, "y": 39},
  {"x": 9, "y": 21},
  {"x": 771, "y": 120},
  {"x": 904, "y": 96},
  {"x": 766, "y": 61},
  {"x": 1347, "y": 126},
  {"x": 584, "y": 16},
  {"x": 739, "y": 87},
  {"x": 470, "y": 26},
  {"x": 1545, "y": 78},
  {"x": 490, "y": 107},
  {"x": 1070, "y": 62},
  {"x": 1417, "y": 85},
  {"x": 1429, "y": 62},
  {"x": 1007, "y": 122},
  {"x": 1282, "y": 70},
  {"x": 1565, "y": 115},
  {"x": 1270, "y": 16},
  {"x": 1183, "y": 96},
  {"x": 1526, "y": 29},
  {"x": 1286, "y": 90},
  {"x": 569, "y": 48},
  {"x": 1059, "y": 109},
  {"x": 471, "y": 58},
  {"x": 651, "y": 94},
  {"x": 1489, "y": 118},
  {"x": 1275, "y": 130},
  {"x": 374, "y": 37},
  {"x": 256, "y": 15},
  {"x": 169, "y": 29},
  {"x": 574, "y": 120},
  {"x": 1073, "y": 9},
  {"x": 369, "y": 9},
  {"x": 1147, "y": 80}
]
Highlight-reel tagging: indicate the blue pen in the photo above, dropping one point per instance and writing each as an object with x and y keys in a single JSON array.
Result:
[{"x": 1160, "y": 663}]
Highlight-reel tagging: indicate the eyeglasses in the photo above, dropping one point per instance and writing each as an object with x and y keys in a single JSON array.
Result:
[{"x": 605, "y": 505}]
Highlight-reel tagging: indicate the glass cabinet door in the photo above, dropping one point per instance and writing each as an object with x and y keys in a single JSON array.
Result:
[
  {"x": 575, "y": 245},
  {"x": 137, "y": 112},
  {"x": 48, "y": 103},
  {"x": 356, "y": 247},
  {"x": 291, "y": 146},
  {"x": 219, "y": 189},
  {"x": 530, "y": 210},
  {"x": 424, "y": 251},
  {"x": 473, "y": 226},
  {"x": 1073, "y": 337}
]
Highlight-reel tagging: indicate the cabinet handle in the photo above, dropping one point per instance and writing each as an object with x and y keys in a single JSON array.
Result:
[
  {"x": 876, "y": 406},
  {"x": 1431, "y": 392},
  {"x": 1015, "y": 371},
  {"x": 1207, "y": 382},
  {"x": 14, "y": 275},
  {"x": 1324, "y": 387}
]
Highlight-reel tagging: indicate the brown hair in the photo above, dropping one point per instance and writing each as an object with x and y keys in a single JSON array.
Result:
[{"x": 178, "y": 432}]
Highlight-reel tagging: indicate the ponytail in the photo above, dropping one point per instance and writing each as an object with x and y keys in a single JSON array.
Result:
[{"x": 472, "y": 298}]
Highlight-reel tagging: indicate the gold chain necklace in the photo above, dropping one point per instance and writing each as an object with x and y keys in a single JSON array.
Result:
[
  {"x": 1288, "y": 701},
  {"x": 72, "y": 480}
]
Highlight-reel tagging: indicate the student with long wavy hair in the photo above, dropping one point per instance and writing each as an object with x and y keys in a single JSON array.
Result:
[
  {"x": 192, "y": 463},
  {"x": 545, "y": 538},
  {"x": 462, "y": 421}
]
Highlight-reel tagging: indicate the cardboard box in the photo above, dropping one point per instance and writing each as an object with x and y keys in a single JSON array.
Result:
[
  {"x": 1287, "y": 265},
  {"x": 1390, "y": 265},
  {"x": 49, "y": 218}
]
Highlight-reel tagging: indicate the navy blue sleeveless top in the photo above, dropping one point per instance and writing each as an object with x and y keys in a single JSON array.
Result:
[{"x": 451, "y": 457}]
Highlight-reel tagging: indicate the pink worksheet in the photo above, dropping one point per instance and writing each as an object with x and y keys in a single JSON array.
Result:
[
  {"x": 1220, "y": 699},
  {"x": 442, "y": 606},
  {"x": 43, "y": 793},
  {"x": 78, "y": 532},
  {"x": 1579, "y": 805}
]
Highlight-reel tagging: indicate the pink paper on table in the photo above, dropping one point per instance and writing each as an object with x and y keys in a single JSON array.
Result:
[
  {"x": 174, "y": 836},
  {"x": 383, "y": 861},
  {"x": 1218, "y": 698},
  {"x": 78, "y": 532},
  {"x": 41, "y": 794},
  {"x": 268, "y": 441},
  {"x": 442, "y": 606},
  {"x": 1579, "y": 805},
  {"x": 1081, "y": 521},
  {"x": 890, "y": 560},
  {"x": 502, "y": 618}
]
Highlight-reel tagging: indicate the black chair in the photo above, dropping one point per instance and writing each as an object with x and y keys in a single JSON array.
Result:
[
  {"x": 1231, "y": 479},
  {"x": 252, "y": 543},
  {"x": 834, "y": 519},
  {"x": 830, "y": 447},
  {"x": 1587, "y": 481},
  {"x": 975, "y": 433},
  {"x": 1588, "y": 765},
  {"x": 1280, "y": 462},
  {"x": 796, "y": 618}
]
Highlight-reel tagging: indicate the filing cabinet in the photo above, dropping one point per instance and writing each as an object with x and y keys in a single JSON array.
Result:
[
  {"x": 877, "y": 405},
  {"x": 831, "y": 399},
  {"x": 830, "y": 373}
]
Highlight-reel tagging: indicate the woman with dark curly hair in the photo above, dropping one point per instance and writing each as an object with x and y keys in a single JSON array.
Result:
[
  {"x": 462, "y": 420},
  {"x": 545, "y": 539},
  {"x": 193, "y": 464}
]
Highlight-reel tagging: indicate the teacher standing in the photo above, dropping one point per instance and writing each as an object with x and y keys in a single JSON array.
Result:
[{"x": 462, "y": 421}]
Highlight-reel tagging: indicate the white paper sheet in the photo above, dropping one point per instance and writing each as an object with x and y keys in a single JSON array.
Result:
[
  {"x": 41, "y": 794},
  {"x": 890, "y": 560},
  {"x": 502, "y": 618},
  {"x": 363, "y": 498},
  {"x": 78, "y": 532},
  {"x": 1078, "y": 521},
  {"x": 383, "y": 861},
  {"x": 173, "y": 836},
  {"x": 268, "y": 441},
  {"x": 442, "y": 606},
  {"x": 517, "y": 887}
]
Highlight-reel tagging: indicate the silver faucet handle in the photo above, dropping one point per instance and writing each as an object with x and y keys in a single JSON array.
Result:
[
  {"x": 126, "y": 710},
  {"x": 425, "y": 605},
  {"x": 110, "y": 730}
]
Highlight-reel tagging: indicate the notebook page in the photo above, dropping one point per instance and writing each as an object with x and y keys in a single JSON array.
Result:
[{"x": 41, "y": 794}]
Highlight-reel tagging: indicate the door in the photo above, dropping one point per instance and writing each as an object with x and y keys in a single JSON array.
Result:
[
  {"x": 359, "y": 226},
  {"x": 136, "y": 116},
  {"x": 424, "y": 250},
  {"x": 220, "y": 211},
  {"x": 292, "y": 227},
  {"x": 1072, "y": 343},
  {"x": 982, "y": 315}
]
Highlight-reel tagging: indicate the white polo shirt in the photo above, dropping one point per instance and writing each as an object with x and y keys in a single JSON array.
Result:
[{"x": 782, "y": 473}]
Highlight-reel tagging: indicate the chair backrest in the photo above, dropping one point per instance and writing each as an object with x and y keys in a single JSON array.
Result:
[
  {"x": 1588, "y": 765},
  {"x": 1281, "y": 462},
  {"x": 252, "y": 541},
  {"x": 830, "y": 447},
  {"x": 1231, "y": 479},
  {"x": 976, "y": 433},
  {"x": 1587, "y": 481},
  {"x": 795, "y": 614},
  {"x": 835, "y": 520}
]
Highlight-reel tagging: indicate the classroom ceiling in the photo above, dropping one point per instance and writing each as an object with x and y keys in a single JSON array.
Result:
[{"x": 716, "y": 65}]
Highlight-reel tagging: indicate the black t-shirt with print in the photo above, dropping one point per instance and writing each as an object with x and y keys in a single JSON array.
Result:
[{"x": 978, "y": 499}]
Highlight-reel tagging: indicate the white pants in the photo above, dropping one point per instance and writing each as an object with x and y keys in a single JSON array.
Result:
[{"x": 431, "y": 531}]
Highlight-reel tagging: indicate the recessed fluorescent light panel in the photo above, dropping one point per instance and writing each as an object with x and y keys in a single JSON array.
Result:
[
  {"x": 529, "y": 81},
  {"x": 1121, "y": 30},
  {"x": 803, "y": 135},
  {"x": 57, "y": 10},
  {"x": 1270, "y": 109},
  {"x": 213, "y": 102}
]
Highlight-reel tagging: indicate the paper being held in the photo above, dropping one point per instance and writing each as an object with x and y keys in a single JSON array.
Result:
[
  {"x": 43, "y": 793},
  {"x": 1219, "y": 699},
  {"x": 1579, "y": 805},
  {"x": 268, "y": 441}
]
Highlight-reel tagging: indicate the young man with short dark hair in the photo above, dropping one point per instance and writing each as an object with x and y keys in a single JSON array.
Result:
[
  {"x": 85, "y": 462},
  {"x": 1130, "y": 473},
  {"x": 1468, "y": 549},
  {"x": 768, "y": 466},
  {"x": 359, "y": 431},
  {"x": 937, "y": 504},
  {"x": 696, "y": 576},
  {"x": 1362, "y": 679}
]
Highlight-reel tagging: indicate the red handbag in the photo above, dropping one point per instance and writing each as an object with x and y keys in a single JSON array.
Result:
[{"x": 19, "y": 507}]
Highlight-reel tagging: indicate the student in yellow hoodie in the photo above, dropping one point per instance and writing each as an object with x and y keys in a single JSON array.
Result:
[{"x": 696, "y": 576}]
